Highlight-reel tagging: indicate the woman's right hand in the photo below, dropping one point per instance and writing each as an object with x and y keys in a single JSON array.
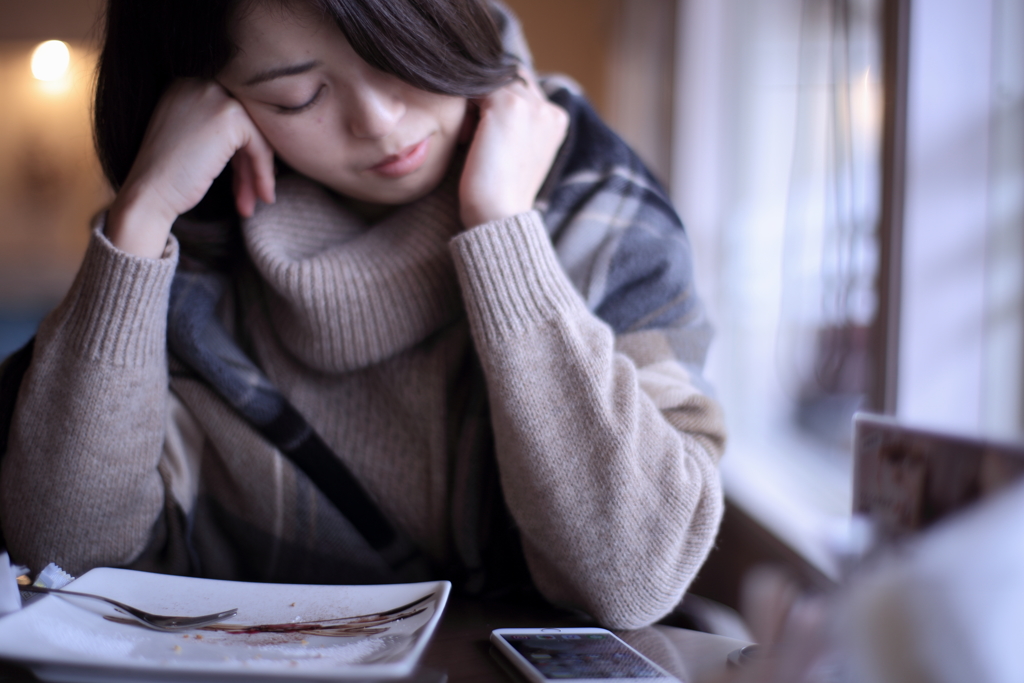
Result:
[{"x": 196, "y": 129}]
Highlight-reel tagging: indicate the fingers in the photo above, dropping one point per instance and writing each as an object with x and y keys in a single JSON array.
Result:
[
  {"x": 530, "y": 80},
  {"x": 253, "y": 166},
  {"x": 524, "y": 87},
  {"x": 514, "y": 145},
  {"x": 261, "y": 157},
  {"x": 196, "y": 129},
  {"x": 244, "y": 186}
]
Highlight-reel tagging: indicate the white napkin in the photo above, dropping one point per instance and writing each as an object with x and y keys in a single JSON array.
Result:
[
  {"x": 10, "y": 596},
  {"x": 53, "y": 576}
]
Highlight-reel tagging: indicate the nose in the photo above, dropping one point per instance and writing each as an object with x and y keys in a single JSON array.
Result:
[{"x": 374, "y": 110}]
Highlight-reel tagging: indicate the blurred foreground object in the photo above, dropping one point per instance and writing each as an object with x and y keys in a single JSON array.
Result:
[
  {"x": 945, "y": 606},
  {"x": 948, "y": 608}
]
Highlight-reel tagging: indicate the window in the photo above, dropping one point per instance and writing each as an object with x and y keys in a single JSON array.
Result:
[{"x": 778, "y": 173}]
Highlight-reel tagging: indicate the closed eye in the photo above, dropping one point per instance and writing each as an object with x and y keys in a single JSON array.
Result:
[{"x": 302, "y": 107}]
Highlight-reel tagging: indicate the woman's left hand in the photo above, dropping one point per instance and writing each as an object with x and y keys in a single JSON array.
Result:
[{"x": 516, "y": 140}]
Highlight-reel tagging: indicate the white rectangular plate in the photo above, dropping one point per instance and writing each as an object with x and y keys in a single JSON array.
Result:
[{"x": 62, "y": 639}]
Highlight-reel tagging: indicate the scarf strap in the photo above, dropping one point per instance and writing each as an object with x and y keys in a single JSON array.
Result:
[{"x": 197, "y": 338}]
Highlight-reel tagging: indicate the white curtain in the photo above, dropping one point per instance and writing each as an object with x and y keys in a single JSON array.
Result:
[{"x": 777, "y": 177}]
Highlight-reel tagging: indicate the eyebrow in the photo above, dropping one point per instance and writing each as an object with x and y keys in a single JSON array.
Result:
[{"x": 281, "y": 72}]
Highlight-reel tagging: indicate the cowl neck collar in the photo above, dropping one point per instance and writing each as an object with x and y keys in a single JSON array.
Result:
[{"x": 343, "y": 294}]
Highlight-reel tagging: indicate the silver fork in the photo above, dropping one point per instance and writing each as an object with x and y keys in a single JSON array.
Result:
[{"x": 160, "y": 622}]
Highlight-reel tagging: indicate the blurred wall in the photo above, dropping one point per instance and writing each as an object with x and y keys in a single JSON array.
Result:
[
  {"x": 35, "y": 20},
  {"x": 623, "y": 53},
  {"x": 572, "y": 37},
  {"x": 50, "y": 181}
]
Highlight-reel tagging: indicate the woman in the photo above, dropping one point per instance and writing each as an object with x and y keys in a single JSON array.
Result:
[{"x": 456, "y": 330}]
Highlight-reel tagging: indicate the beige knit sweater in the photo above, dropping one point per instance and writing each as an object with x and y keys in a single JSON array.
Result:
[{"x": 607, "y": 454}]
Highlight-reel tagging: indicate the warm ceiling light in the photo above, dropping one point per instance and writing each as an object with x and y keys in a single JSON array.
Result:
[{"x": 50, "y": 60}]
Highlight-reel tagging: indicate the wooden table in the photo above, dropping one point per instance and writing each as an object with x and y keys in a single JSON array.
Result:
[{"x": 460, "y": 649}]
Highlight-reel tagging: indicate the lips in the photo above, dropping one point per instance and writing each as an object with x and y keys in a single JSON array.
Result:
[{"x": 405, "y": 162}]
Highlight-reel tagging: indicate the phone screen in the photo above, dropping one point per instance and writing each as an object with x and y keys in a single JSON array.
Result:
[{"x": 589, "y": 655}]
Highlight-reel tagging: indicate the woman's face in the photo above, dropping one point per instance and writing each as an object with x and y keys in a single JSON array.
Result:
[{"x": 331, "y": 116}]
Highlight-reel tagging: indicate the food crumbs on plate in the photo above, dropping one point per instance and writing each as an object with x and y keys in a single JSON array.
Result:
[
  {"x": 292, "y": 605},
  {"x": 177, "y": 648},
  {"x": 199, "y": 636},
  {"x": 185, "y": 636},
  {"x": 305, "y": 642}
]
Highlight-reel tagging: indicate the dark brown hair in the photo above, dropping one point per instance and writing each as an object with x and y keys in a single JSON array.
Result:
[{"x": 451, "y": 47}]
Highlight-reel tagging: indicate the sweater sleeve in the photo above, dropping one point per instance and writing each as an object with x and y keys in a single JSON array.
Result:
[
  {"x": 607, "y": 450},
  {"x": 79, "y": 484}
]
